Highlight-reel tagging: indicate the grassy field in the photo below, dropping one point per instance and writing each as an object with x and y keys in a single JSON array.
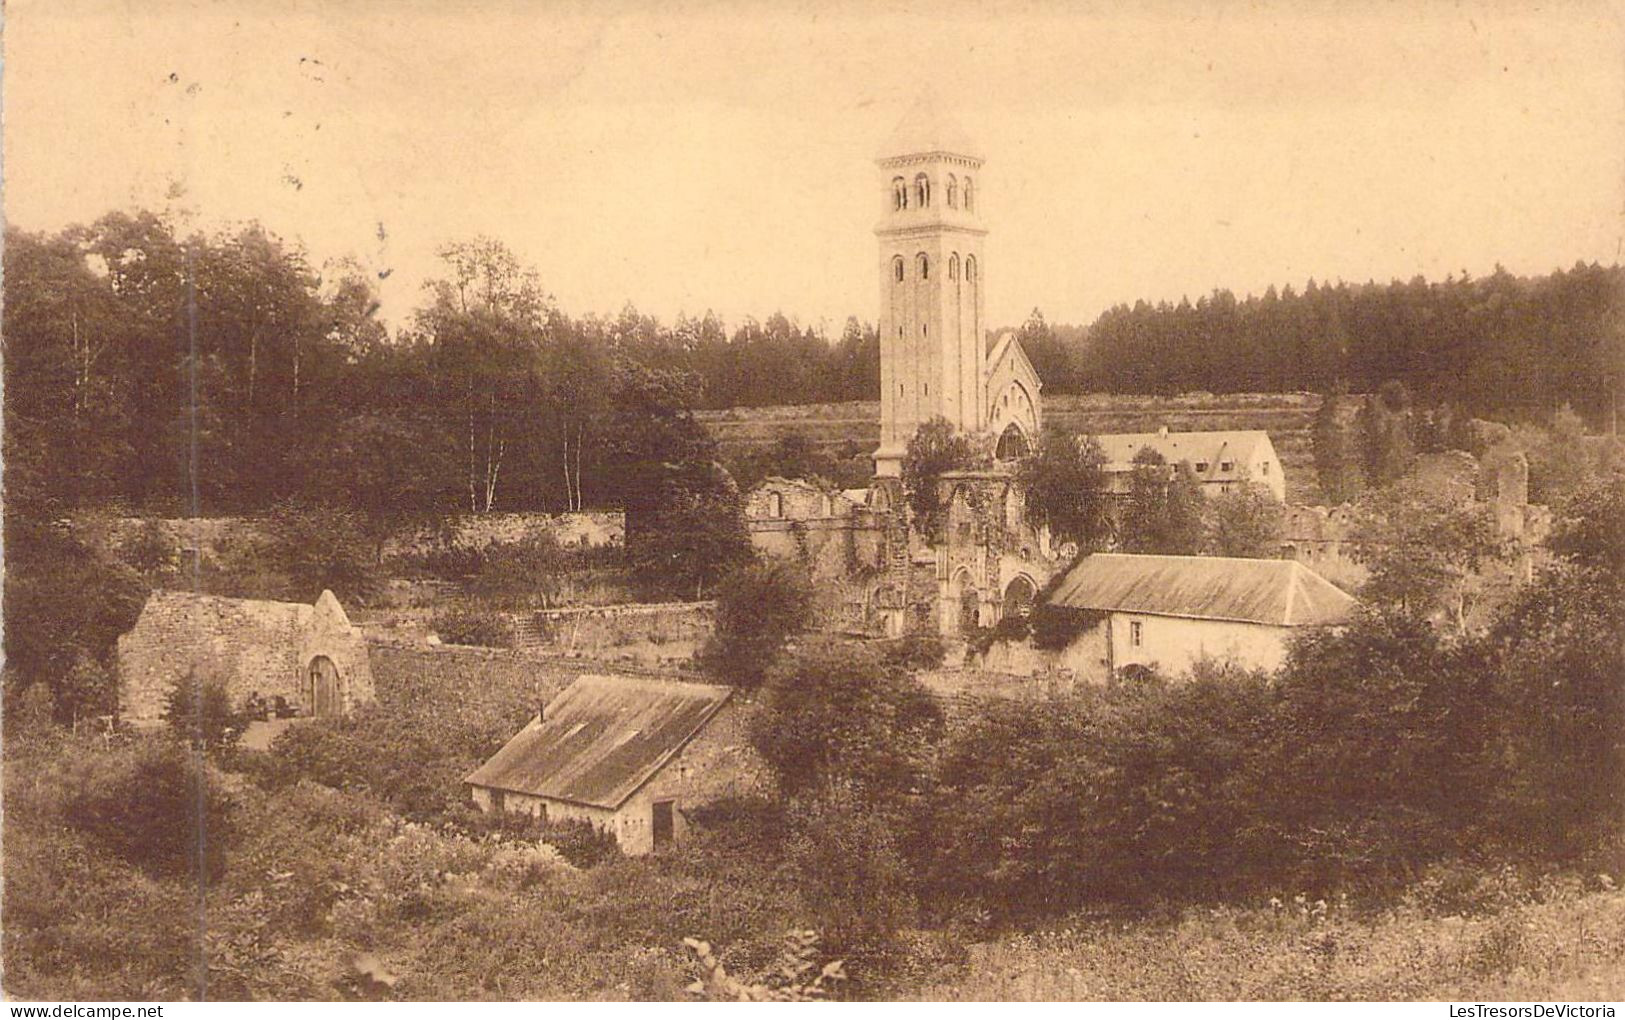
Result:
[
  {"x": 1570, "y": 946},
  {"x": 842, "y": 428}
]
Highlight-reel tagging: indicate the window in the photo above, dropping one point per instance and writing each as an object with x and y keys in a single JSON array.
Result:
[
  {"x": 499, "y": 801},
  {"x": 953, "y": 192},
  {"x": 1201, "y": 467},
  {"x": 897, "y": 269},
  {"x": 1264, "y": 468},
  {"x": 924, "y": 266},
  {"x": 1227, "y": 465},
  {"x": 899, "y": 193},
  {"x": 775, "y": 505},
  {"x": 970, "y": 204},
  {"x": 970, "y": 267},
  {"x": 1135, "y": 635},
  {"x": 928, "y": 389},
  {"x": 953, "y": 263},
  {"x": 922, "y": 190}
]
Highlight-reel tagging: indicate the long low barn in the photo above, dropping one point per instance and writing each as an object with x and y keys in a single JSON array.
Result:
[
  {"x": 1169, "y": 612},
  {"x": 629, "y": 755}
]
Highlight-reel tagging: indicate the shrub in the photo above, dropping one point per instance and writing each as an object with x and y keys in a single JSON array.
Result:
[
  {"x": 1056, "y": 627},
  {"x": 158, "y": 811},
  {"x": 759, "y": 607},
  {"x": 851, "y": 872},
  {"x": 200, "y": 712},
  {"x": 838, "y": 710},
  {"x": 915, "y": 652},
  {"x": 484, "y": 629},
  {"x": 581, "y": 843}
]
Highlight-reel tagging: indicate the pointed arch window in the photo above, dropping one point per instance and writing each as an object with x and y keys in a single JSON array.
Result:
[
  {"x": 899, "y": 193},
  {"x": 953, "y": 192},
  {"x": 953, "y": 259},
  {"x": 924, "y": 264},
  {"x": 970, "y": 268},
  {"x": 970, "y": 196},
  {"x": 897, "y": 269},
  {"x": 922, "y": 190}
]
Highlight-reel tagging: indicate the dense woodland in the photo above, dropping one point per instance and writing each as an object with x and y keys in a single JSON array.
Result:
[{"x": 223, "y": 373}]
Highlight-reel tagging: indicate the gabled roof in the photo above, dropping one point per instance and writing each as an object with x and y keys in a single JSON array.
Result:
[
  {"x": 928, "y": 128},
  {"x": 601, "y": 739},
  {"x": 1211, "y": 448},
  {"x": 1284, "y": 593},
  {"x": 1008, "y": 345}
]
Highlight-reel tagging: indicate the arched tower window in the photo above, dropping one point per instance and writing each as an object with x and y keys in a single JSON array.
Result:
[
  {"x": 953, "y": 192},
  {"x": 953, "y": 259},
  {"x": 899, "y": 193},
  {"x": 897, "y": 269},
  {"x": 970, "y": 268},
  {"x": 925, "y": 266},
  {"x": 922, "y": 190},
  {"x": 970, "y": 196}
]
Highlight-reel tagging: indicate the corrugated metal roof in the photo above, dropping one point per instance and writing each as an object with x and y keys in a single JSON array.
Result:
[
  {"x": 603, "y": 737},
  {"x": 1211, "y": 448},
  {"x": 1280, "y": 592}
]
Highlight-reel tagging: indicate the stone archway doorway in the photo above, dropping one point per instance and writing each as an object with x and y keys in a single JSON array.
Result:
[
  {"x": 1019, "y": 597},
  {"x": 325, "y": 699}
]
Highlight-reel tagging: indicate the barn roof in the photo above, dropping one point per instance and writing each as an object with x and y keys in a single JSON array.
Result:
[
  {"x": 1212, "y": 448},
  {"x": 1284, "y": 593},
  {"x": 601, "y": 739}
]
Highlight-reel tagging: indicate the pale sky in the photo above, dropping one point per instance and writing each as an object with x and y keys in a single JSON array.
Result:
[{"x": 692, "y": 155}]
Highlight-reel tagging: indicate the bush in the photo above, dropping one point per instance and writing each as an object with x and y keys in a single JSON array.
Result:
[
  {"x": 915, "y": 652},
  {"x": 483, "y": 629},
  {"x": 158, "y": 811},
  {"x": 759, "y": 607},
  {"x": 200, "y": 712},
  {"x": 579, "y": 842},
  {"x": 837, "y": 710},
  {"x": 851, "y": 872}
]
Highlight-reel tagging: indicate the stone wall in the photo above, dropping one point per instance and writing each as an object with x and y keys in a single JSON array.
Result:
[
  {"x": 589, "y": 529},
  {"x": 647, "y": 632}
]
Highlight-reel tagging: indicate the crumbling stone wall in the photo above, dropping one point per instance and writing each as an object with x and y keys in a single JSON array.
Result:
[{"x": 585, "y": 529}]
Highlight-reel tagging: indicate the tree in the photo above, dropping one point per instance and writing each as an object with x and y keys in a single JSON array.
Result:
[
  {"x": 689, "y": 532},
  {"x": 315, "y": 547},
  {"x": 759, "y": 607},
  {"x": 1560, "y": 653},
  {"x": 1065, "y": 483},
  {"x": 1246, "y": 522},
  {"x": 935, "y": 448},
  {"x": 837, "y": 713},
  {"x": 1164, "y": 511},
  {"x": 1338, "y": 461},
  {"x": 1425, "y": 551},
  {"x": 1385, "y": 430}
]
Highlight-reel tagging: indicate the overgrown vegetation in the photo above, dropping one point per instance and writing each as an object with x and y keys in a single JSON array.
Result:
[{"x": 759, "y": 607}]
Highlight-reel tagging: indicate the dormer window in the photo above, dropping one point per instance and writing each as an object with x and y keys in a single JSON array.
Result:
[
  {"x": 953, "y": 192},
  {"x": 899, "y": 193},
  {"x": 922, "y": 190},
  {"x": 970, "y": 197}
]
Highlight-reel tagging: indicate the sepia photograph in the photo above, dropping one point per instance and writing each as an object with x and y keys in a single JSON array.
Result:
[{"x": 933, "y": 501}]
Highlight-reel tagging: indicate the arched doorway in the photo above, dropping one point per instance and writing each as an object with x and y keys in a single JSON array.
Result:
[
  {"x": 1012, "y": 443},
  {"x": 1019, "y": 597},
  {"x": 324, "y": 687},
  {"x": 966, "y": 601}
]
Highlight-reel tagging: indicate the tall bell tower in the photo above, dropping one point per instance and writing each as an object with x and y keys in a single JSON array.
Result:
[{"x": 931, "y": 279}]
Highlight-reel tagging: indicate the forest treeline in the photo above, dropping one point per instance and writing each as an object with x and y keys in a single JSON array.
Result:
[{"x": 222, "y": 373}]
